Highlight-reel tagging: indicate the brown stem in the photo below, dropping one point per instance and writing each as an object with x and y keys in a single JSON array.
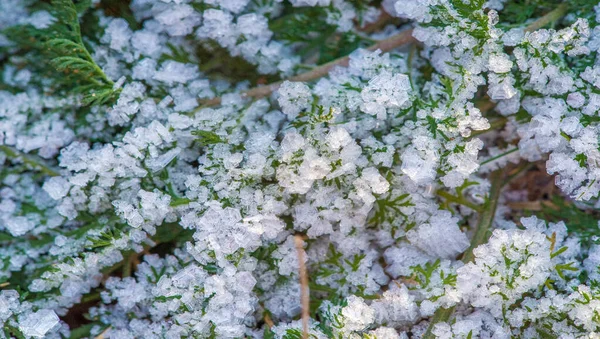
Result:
[
  {"x": 386, "y": 45},
  {"x": 304, "y": 293}
]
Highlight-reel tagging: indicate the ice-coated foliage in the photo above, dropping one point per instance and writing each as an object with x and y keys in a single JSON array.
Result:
[{"x": 176, "y": 168}]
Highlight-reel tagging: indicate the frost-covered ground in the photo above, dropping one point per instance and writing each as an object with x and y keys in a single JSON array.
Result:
[{"x": 150, "y": 187}]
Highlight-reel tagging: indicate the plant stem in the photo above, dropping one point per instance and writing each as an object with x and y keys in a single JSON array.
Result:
[
  {"x": 487, "y": 161},
  {"x": 402, "y": 38},
  {"x": 481, "y": 235},
  {"x": 304, "y": 292},
  {"x": 29, "y": 160},
  {"x": 486, "y": 218},
  {"x": 548, "y": 18},
  {"x": 459, "y": 200}
]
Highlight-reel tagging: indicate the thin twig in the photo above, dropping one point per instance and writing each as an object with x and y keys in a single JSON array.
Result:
[
  {"x": 304, "y": 293},
  {"x": 386, "y": 45},
  {"x": 548, "y": 18},
  {"x": 268, "y": 320}
]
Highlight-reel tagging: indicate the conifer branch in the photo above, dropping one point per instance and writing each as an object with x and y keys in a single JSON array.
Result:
[
  {"x": 386, "y": 45},
  {"x": 70, "y": 55}
]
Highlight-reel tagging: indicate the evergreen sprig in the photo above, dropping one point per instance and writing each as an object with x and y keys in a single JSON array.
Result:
[{"x": 70, "y": 55}]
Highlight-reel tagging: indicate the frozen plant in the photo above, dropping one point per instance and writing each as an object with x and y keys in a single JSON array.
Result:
[{"x": 289, "y": 169}]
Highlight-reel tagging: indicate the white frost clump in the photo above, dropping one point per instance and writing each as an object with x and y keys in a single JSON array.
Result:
[
  {"x": 385, "y": 91},
  {"x": 37, "y": 324},
  {"x": 357, "y": 315},
  {"x": 509, "y": 265},
  {"x": 176, "y": 72},
  {"x": 441, "y": 236},
  {"x": 294, "y": 97},
  {"x": 56, "y": 187}
]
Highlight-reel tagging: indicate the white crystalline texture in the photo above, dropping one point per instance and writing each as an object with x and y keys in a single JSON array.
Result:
[
  {"x": 592, "y": 263},
  {"x": 294, "y": 97},
  {"x": 385, "y": 91},
  {"x": 173, "y": 71},
  {"x": 500, "y": 63},
  {"x": 118, "y": 33},
  {"x": 400, "y": 259},
  {"x": 441, "y": 236},
  {"x": 420, "y": 160},
  {"x": 37, "y": 324},
  {"x": 464, "y": 164},
  {"x": 528, "y": 266},
  {"x": 146, "y": 42},
  {"x": 375, "y": 180},
  {"x": 357, "y": 315},
  {"x": 234, "y": 6},
  {"x": 56, "y": 187},
  {"x": 18, "y": 226},
  {"x": 160, "y": 162},
  {"x": 302, "y": 3},
  {"x": 292, "y": 142},
  {"x": 338, "y": 137},
  {"x": 575, "y": 99},
  {"x": 397, "y": 307},
  {"x": 413, "y": 9},
  {"x": 501, "y": 87},
  {"x": 179, "y": 20}
]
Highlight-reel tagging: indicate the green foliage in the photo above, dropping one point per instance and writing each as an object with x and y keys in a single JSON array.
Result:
[
  {"x": 61, "y": 45},
  {"x": 423, "y": 274},
  {"x": 207, "y": 137},
  {"x": 106, "y": 238},
  {"x": 12, "y": 332},
  {"x": 305, "y": 28},
  {"x": 72, "y": 57},
  {"x": 389, "y": 209},
  {"x": 469, "y": 10},
  {"x": 517, "y": 13}
]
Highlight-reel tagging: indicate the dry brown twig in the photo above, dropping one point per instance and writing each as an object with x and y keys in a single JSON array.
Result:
[
  {"x": 386, "y": 45},
  {"x": 304, "y": 292}
]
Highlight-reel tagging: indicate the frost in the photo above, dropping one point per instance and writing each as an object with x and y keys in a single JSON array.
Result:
[
  {"x": 383, "y": 92},
  {"x": 170, "y": 163},
  {"x": 173, "y": 71},
  {"x": 294, "y": 97},
  {"x": 37, "y": 324},
  {"x": 441, "y": 236},
  {"x": 57, "y": 187}
]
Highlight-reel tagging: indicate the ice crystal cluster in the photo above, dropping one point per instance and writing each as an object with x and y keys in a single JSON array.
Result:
[{"x": 198, "y": 168}]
